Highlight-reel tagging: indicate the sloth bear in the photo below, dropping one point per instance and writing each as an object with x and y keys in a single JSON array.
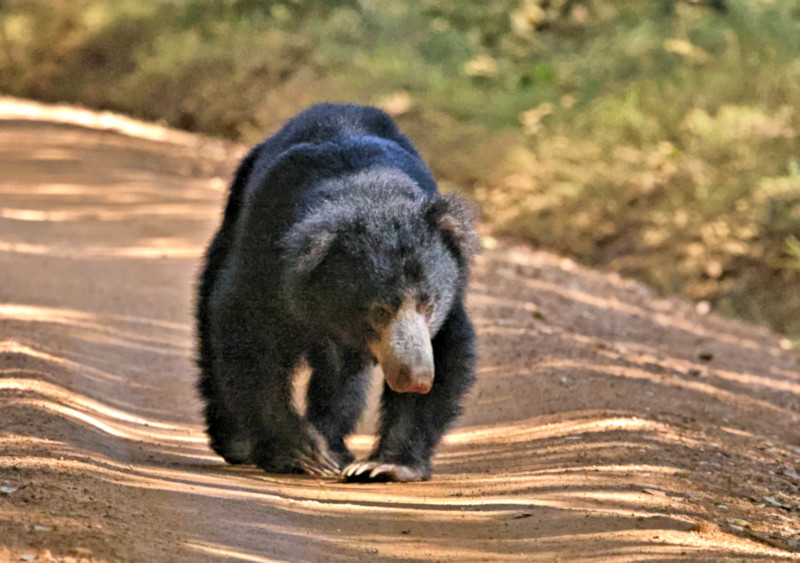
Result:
[{"x": 336, "y": 247}]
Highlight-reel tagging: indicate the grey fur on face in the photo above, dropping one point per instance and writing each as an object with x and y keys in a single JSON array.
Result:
[{"x": 403, "y": 350}]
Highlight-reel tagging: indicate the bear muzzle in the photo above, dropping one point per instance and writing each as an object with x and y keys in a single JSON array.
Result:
[{"x": 404, "y": 352}]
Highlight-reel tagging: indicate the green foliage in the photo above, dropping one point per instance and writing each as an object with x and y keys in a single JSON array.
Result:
[{"x": 659, "y": 138}]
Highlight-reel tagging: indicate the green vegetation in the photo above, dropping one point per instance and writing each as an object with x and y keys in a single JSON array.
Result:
[{"x": 658, "y": 138}]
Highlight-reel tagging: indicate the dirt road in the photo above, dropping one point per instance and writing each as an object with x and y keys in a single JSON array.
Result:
[{"x": 607, "y": 424}]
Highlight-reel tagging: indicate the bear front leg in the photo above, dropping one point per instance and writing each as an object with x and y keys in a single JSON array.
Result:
[
  {"x": 336, "y": 393},
  {"x": 412, "y": 424},
  {"x": 253, "y": 371}
]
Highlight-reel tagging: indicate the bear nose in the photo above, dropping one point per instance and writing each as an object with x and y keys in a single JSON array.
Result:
[
  {"x": 405, "y": 353},
  {"x": 411, "y": 379}
]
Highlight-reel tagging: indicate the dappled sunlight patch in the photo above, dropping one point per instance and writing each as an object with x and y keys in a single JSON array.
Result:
[
  {"x": 106, "y": 425},
  {"x": 749, "y": 379},
  {"x": 522, "y": 457},
  {"x": 16, "y": 347},
  {"x": 529, "y": 430},
  {"x": 56, "y": 189},
  {"x": 61, "y": 315},
  {"x": 14, "y": 108},
  {"x": 506, "y": 330},
  {"x": 227, "y": 553},
  {"x": 103, "y": 252},
  {"x": 145, "y": 335},
  {"x": 124, "y": 211},
  {"x": 73, "y": 405}
]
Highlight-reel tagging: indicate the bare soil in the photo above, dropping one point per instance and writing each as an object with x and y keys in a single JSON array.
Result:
[{"x": 607, "y": 423}]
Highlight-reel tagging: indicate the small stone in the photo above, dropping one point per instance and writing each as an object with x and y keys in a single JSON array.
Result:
[
  {"x": 81, "y": 551},
  {"x": 775, "y": 502},
  {"x": 791, "y": 473},
  {"x": 42, "y": 529},
  {"x": 27, "y": 557},
  {"x": 8, "y": 490}
]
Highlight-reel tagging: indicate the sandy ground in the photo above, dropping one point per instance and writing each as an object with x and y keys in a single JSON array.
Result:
[{"x": 607, "y": 424}]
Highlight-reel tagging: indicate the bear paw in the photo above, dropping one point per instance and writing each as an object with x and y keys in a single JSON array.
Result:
[
  {"x": 235, "y": 452},
  {"x": 306, "y": 453},
  {"x": 380, "y": 472},
  {"x": 314, "y": 458}
]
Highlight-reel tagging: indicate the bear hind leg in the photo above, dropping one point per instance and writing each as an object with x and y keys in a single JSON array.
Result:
[{"x": 226, "y": 434}]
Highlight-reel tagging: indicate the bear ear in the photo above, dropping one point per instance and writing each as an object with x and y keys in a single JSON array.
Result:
[
  {"x": 455, "y": 219},
  {"x": 305, "y": 250}
]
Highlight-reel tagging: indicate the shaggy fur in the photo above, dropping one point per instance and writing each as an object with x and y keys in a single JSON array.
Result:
[{"x": 332, "y": 226}]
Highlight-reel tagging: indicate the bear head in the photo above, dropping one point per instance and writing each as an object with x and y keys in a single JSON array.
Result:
[{"x": 378, "y": 265}]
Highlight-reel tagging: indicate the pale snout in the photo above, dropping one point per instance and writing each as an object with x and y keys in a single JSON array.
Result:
[{"x": 405, "y": 354}]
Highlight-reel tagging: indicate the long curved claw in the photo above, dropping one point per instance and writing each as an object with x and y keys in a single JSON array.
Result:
[
  {"x": 357, "y": 468},
  {"x": 313, "y": 468},
  {"x": 314, "y": 458},
  {"x": 379, "y": 472}
]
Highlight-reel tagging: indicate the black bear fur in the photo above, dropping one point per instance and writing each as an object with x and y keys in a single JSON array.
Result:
[{"x": 332, "y": 226}]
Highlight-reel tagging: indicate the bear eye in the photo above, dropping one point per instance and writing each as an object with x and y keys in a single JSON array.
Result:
[{"x": 379, "y": 315}]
